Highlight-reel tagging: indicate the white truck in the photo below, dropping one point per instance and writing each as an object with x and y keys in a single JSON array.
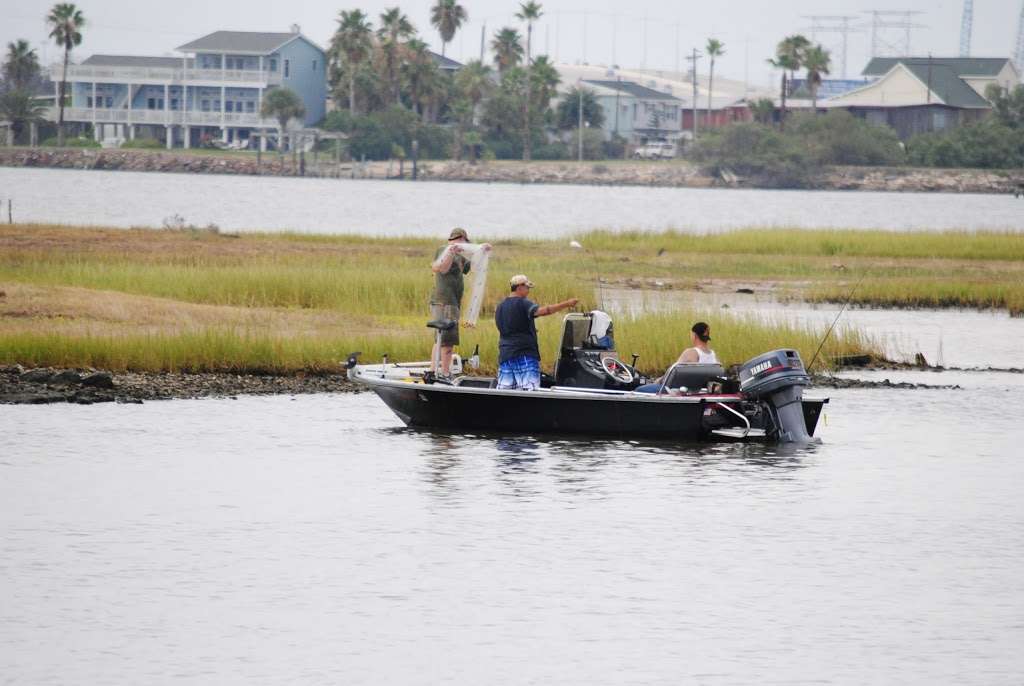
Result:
[{"x": 655, "y": 150}]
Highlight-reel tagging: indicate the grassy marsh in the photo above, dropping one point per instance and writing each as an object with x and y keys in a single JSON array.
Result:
[{"x": 158, "y": 300}]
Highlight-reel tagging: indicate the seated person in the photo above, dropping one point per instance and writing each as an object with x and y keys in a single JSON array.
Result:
[{"x": 699, "y": 353}]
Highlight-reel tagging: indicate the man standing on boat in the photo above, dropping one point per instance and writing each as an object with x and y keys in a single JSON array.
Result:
[
  {"x": 519, "y": 354},
  {"x": 449, "y": 266}
]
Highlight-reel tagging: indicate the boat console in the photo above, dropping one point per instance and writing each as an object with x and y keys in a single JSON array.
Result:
[{"x": 587, "y": 356}]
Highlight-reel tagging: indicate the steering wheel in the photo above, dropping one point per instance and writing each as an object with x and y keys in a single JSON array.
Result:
[{"x": 616, "y": 370}]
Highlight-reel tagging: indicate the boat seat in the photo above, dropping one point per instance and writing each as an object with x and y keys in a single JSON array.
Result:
[
  {"x": 442, "y": 324},
  {"x": 693, "y": 376}
]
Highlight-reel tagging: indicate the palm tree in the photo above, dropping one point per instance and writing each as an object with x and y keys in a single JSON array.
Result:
[
  {"x": 21, "y": 66},
  {"x": 283, "y": 105},
  {"x": 529, "y": 12},
  {"x": 714, "y": 48},
  {"x": 544, "y": 80},
  {"x": 394, "y": 28},
  {"x": 422, "y": 75},
  {"x": 66, "y": 23},
  {"x": 474, "y": 83},
  {"x": 763, "y": 109},
  {"x": 447, "y": 16},
  {"x": 569, "y": 109},
  {"x": 508, "y": 50},
  {"x": 817, "y": 62},
  {"x": 353, "y": 39},
  {"x": 789, "y": 56},
  {"x": 20, "y": 108}
]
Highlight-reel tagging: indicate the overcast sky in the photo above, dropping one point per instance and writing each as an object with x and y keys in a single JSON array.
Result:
[{"x": 570, "y": 30}]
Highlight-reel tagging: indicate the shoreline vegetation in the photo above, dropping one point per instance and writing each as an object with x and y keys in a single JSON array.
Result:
[
  {"x": 668, "y": 174},
  {"x": 197, "y": 301}
]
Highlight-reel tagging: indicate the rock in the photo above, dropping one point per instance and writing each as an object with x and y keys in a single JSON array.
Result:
[
  {"x": 14, "y": 369},
  {"x": 66, "y": 378},
  {"x": 33, "y": 398},
  {"x": 99, "y": 380},
  {"x": 748, "y": 291},
  {"x": 36, "y": 376}
]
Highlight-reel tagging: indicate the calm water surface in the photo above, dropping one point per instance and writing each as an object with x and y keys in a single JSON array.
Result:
[
  {"x": 315, "y": 540},
  {"x": 496, "y": 210}
]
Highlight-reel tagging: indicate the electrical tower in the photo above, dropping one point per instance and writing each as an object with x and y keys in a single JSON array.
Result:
[
  {"x": 1018, "y": 56},
  {"x": 840, "y": 24},
  {"x": 885, "y": 41},
  {"x": 966, "y": 25}
]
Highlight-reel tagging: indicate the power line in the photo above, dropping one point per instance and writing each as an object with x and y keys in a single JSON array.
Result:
[
  {"x": 841, "y": 24},
  {"x": 885, "y": 42}
]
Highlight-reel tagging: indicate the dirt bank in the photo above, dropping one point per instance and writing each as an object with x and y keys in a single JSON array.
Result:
[{"x": 676, "y": 174}]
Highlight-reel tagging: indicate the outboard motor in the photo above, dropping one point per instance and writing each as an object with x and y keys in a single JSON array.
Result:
[{"x": 778, "y": 378}]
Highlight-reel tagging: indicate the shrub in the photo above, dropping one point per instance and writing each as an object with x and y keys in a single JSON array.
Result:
[
  {"x": 72, "y": 143},
  {"x": 841, "y": 138},
  {"x": 143, "y": 144},
  {"x": 593, "y": 144},
  {"x": 988, "y": 144},
  {"x": 758, "y": 151},
  {"x": 551, "y": 151}
]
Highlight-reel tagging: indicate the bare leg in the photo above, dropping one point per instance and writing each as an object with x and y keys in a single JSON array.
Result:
[{"x": 446, "y": 359}]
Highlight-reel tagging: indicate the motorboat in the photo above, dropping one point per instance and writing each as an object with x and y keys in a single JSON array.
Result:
[{"x": 594, "y": 392}]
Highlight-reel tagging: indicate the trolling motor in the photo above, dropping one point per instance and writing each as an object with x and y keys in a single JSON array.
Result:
[{"x": 777, "y": 379}]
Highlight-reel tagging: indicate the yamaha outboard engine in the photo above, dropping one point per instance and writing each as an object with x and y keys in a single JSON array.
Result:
[{"x": 778, "y": 378}]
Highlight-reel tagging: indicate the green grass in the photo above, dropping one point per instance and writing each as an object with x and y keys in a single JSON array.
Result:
[{"x": 380, "y": 286}]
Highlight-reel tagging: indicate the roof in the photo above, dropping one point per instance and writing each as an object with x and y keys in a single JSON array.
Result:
[
  {"x": 961, "y": 66},
  {"x": 444, "y": 62},
  {"x": 944, "y": 82},
  {"x": 635, "y": 89},
  {"x": 252, "y": 42},
  {"x": 132, "y": 61}
]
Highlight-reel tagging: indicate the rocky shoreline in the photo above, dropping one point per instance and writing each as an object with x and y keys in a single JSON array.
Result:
[
  {"x": 44, "y": 385},
  {"x": 675, "y": 174}
]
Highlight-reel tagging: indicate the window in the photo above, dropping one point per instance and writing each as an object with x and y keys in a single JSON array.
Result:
[
  {"x": 151, "y": 103},
  {"x": 314, "y": 65},
  {"x": 159, "y": 103},
  {"x": 110, "y": 102},
  {"x": 205, "y": 105},
  {"x": 174, "y": 103},
  {"x": 250, "y": 106},
  {"x": 88, "y": 101},
  {"x": 286, "y": 65},
  {"x": 273, "y": 64},
  {"x": 229, "y": 106}
]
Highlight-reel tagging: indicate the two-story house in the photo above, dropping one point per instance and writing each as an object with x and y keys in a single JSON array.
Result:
[
  {"x": 215, "y": 88},
  {"x": 637, "y": 113}
]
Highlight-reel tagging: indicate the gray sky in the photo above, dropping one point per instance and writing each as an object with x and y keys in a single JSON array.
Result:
[{"x": 749, "y": 28}]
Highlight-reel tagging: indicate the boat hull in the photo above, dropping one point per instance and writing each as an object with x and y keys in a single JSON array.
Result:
[{"x": 437, "y": 406}]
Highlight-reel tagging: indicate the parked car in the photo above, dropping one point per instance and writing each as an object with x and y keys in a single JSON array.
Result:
[{"x": 655, "y": 150}]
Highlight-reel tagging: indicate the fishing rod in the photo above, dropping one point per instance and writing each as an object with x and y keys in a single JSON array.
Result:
[{"x": 836, "y": 320}]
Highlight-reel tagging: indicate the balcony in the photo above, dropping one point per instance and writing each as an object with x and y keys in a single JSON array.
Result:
[
  {"x": 168, "y": 75},
  {"x": 163, "y": 117}
]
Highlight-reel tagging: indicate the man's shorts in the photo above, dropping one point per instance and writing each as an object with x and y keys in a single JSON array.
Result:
[
  {"x": 520, "y": 372},
  {"x": 438, "y": 311}
]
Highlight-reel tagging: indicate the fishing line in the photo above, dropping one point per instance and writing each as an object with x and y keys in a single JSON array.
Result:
[{"x": 836, "y": 320}]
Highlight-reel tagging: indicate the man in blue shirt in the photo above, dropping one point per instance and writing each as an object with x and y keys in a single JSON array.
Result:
[{"x": 519, "y": 355}]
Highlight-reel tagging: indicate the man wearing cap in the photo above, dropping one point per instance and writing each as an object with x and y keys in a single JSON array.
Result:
[
  {"x": 519, "y": 354},
  {"x": 449, "y": 267}
]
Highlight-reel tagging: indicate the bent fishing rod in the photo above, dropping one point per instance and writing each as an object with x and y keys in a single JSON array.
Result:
[{"x": 836, "y": 320}]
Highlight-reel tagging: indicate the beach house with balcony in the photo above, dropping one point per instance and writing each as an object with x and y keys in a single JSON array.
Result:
[
  {"x": 214, "y": 89},
  {"x": 636, "y": 112}
]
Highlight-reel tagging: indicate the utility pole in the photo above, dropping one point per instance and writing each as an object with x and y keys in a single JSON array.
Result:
[
  {"x": 643, "y": 25},
  {"x": 1018, "y": 56},
  {"x": 678, "y": 67},
  {"x": 693, "y": 65},
  {"x": 840, "y": 24},
  {"x": 584, "y": 35}
]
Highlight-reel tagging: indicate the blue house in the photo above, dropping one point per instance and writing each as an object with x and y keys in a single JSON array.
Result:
[{"x": 215, "y": 89}]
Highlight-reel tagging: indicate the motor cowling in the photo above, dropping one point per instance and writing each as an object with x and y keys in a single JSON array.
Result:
[{"x": 778, "y": 378}]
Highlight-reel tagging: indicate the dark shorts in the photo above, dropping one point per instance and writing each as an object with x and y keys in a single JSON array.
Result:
[{"x": 437, "y": 311}]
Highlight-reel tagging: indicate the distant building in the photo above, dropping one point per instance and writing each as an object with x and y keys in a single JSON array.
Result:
[
  {"x": 920, "y": 94},
  {"x": 215, "y": 89},
  {"x": 637, "y": 113}
]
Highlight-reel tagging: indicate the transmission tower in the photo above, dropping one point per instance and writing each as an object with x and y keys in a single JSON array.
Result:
[
  {"x": 841, "y": 24},
  {"x": 966, "y": 24},
  {"x": 890, "y": 32},
  {"x": 1018, "y": 56}
]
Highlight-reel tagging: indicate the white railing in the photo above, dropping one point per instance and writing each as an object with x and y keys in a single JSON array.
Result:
[
  {"x": 175, "y": 75},
  {"x": 175, "y": 117}
]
